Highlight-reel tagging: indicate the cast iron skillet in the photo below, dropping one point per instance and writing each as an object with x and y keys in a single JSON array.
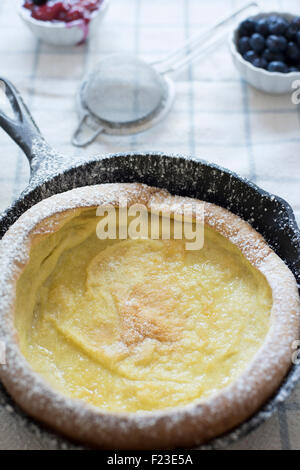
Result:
[{"x": 186, "y": 176}]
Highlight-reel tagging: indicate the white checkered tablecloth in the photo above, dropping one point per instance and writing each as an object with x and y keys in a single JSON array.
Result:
[{"x": 216, "y": 117}]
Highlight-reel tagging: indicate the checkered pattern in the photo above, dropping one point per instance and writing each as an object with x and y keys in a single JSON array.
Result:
[{"x": 216, "y": 117}]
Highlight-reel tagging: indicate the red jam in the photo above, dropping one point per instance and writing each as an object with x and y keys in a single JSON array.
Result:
[{"x": 65, "y": 10}]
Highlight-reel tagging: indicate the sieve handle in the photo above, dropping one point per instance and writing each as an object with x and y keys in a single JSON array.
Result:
[
  {"x": 202, "y": 42},
  {"x": 83, "y": 142}
]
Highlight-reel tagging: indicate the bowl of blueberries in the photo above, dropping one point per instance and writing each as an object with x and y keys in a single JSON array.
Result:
[{"x": 266, "y": 51}]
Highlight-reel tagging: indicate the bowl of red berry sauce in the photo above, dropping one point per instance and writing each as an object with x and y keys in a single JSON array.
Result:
[
  {"x": 265, "y": 49},
  {"x": 63, "y": 22}
]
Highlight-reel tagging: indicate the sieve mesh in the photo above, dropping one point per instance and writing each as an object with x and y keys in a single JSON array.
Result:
[{"x": 122, "y": 90}]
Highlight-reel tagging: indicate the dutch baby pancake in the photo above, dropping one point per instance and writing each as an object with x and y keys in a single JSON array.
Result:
[{"x": 122, "y": 341}]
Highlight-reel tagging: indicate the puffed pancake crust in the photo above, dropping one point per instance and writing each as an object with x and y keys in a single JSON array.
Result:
[{"x": 140, "y": 343}]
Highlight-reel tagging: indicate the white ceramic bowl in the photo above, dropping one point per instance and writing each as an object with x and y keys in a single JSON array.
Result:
[
  {"x": 269, "y": 82},
  {"x": 60, "y": 33}
]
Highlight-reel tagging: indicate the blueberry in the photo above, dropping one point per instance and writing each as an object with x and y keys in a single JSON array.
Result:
[
  {"x": 262, "y": 27},
  {"x": 250, "y": 56},
  {"x": 277, "y": 66},
  {"x": 276, "y": 43},
  {"x": 293, "y": 29},
  {"x": 293, "y": 51},
  {"x": 298, "y": 37},
  {"x": 40, "y": 2},
  {"x": 256, "y": 62},
  {"x": 244, "y": 45},
  {"x": 271, "y": 56},
  {"x": 293, "y": 68},
  {"x": 278, "y": 25},
  {"x": 263, "y": 63},
  {"x": 272, "y": 18},
  {"x": 260, "y": 62},
  {"x": 257, "y": 42},
  {"x": 247, "y": 27},
  {"x": 290, "y": 33}
]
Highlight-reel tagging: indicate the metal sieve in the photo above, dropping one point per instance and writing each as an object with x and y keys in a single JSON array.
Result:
[{"x": 125, "y": 95}]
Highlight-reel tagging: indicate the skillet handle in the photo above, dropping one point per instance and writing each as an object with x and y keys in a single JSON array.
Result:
[{"x": 22, "y": 128}]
